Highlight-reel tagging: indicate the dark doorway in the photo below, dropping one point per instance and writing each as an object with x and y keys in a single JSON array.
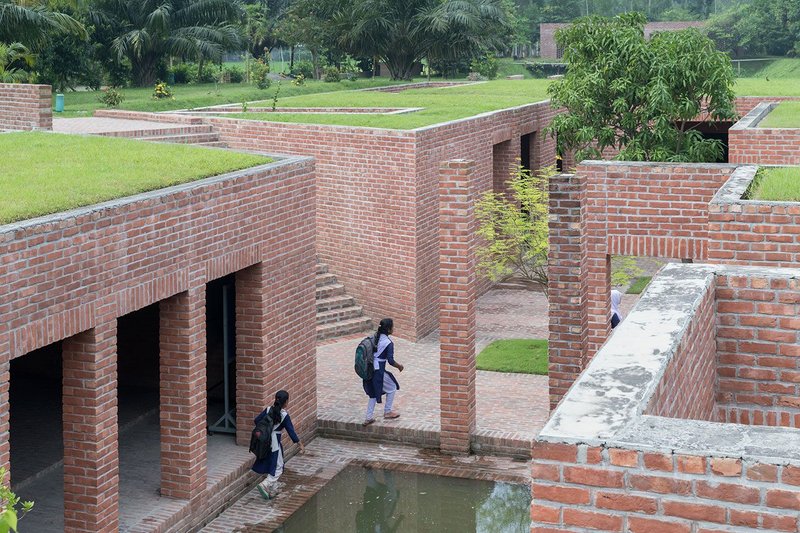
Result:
[
  {"x": 713, "y": 130},
  {"x": 221, "y": 354}
]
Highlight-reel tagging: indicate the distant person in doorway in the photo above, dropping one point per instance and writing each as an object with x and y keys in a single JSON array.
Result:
[
  {"x": 616, "y": 314},
  {"x": 271, "y": 466},
  {"x": 382, "y": 382}
]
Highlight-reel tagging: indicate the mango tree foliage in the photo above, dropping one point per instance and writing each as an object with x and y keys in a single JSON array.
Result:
[
  {"x": 11, "y": 509},
  {"x": 638, "y": 96},
  {"x": 513, "y": 228}
]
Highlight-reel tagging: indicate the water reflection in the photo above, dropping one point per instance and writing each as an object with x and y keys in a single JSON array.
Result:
[{"x": 365, "y": 500}]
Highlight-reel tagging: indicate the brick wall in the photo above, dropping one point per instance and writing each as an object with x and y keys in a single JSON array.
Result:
[
  {"x": 758, "y": 346},
  {"x": 749, "y": 143},
  {"x": 71, "y": 275},
  {"x": 25, "y": 107}
]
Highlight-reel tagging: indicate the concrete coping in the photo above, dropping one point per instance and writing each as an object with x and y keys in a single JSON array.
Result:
[
  {"x": 755, "y": 116},
  {"x": 8, "y": 230},
  {"x": 606, "y": 405},
  {"x": 732, "y": 192}
]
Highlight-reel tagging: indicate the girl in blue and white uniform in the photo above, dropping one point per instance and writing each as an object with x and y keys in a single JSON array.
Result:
[
  {"x": 382, "y": 382},
  {"x": 271, "y": 466}
]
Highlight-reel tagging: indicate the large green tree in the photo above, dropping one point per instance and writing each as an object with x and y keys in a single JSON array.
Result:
[
  {"x": 639, "y": 97},
  {"x": 770, "y": 27},
  {"x": 29, "y": 23},
  {"x": 150, "y": 31}
]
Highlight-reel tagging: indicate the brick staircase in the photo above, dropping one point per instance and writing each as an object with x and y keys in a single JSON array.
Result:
[
  {"x": 197, "y": 134},
  {"x": 337, "y": 313}
]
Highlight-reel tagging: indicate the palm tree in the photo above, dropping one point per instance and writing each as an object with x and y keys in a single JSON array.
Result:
[
  {"x": 15, "y": 58},
  {"x": 28, "y": 24},
  {"x": 402, "y": 32},
  {"x": 152, "y": 30}
]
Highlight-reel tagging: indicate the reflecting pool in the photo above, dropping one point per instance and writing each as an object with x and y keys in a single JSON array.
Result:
[{"x": 366, "y": 500}]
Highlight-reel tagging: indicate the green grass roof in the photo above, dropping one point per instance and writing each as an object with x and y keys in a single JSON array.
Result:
[
  {"x": 46, "y": 173},
  {"x": 440, "y": 104},
  {"x": 776, "y": 184},
  {"x": 785, "y": 115}
]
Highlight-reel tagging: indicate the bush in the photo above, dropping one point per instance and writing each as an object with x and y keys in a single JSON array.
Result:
[
  {"x": 349, "y": 68},
  {"x": 210, "y": 74},
  {"x": 162, "y": 91},
  {"x": 306, "y": 68},
  {"x": 299, "y": 81},
  {"x": 111, "y": 97},
  {"x": 543, "y": 70},
  {"x": 259, "y": 74},
  {"x": 235, "y": 74},
  {"x": 486, "y": 66},
  {"x": 474, "y": 76},
  {"x": 184, "y": 73},
  {"x": 331, "y": 75}
]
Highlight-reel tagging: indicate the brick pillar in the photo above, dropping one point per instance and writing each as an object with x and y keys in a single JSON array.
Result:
[
  {"x": 567, "y": 284},
  {"x": 91, "y": 461},
  {"x": 182, "y": 345},
  {"x": 505, "y": 158},
  {"x": 457, "y": 286}
]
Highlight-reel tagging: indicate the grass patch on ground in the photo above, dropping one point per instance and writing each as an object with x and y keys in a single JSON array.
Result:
[
  {"x": 762, "y": 87},
  {"x": 508, "y": 67},
  {"x": 639, "y": 285},
  {"x": 47, "y": 173},
  {"x": 777, "y": 184},
  {"x": 83, "y": 103},
  {"x": 521, "y": 356},
  {"x": 440, "y": 104},
  {"x": 785, "y": 115},
  {"x": 783, "y": 67}
]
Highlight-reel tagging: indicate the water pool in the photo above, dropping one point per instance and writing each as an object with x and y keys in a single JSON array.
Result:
[{"x": 366, "y": 500}]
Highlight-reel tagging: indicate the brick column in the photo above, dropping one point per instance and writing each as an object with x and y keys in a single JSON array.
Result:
[
  {"x": 182, "y": 346},
  {"x": 457, "y": 286},
  {"x": 505, "y": 158},
  {"x": 91, "y": 461},
  {"x": 567, "y": 287}
]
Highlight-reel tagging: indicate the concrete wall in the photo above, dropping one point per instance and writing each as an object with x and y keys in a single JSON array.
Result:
[
  {"x": 69, "y": 277},
  {"x": 25, "y": 107}
]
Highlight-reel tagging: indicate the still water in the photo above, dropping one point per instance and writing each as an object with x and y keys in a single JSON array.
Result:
[{"x": 365, "y": 500}]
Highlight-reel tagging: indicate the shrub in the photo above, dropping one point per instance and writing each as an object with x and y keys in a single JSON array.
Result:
[
  {"x": 259, "y": 73},
  {"x": 474, "y": 76},
  {"x": 331, "y": 75},
  {"x": 162, "y": 91},
  {"x": 184, "y": 73},
  {"x": 235, "y": 74},
  {"x": 306, "y": 68},
  {"x": 299, "y": 80},
  {"x": 210, "y": 74},
  {"x": 111, "y": 97},
  {"x": 486, "y": 66},
  {"x": 350, "y": 68}
]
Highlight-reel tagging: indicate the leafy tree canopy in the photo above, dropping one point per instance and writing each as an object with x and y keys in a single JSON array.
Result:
[
  {"x": 638, "y": 96},
  {"x": 28, "y": 23},
  {"x": 762, "y": 27}
]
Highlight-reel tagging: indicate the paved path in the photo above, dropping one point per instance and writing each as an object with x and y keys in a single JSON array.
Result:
[{"x": 106, "y": 125}]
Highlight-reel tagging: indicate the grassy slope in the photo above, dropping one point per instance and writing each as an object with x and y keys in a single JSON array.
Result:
[
  {"x": 440, "y": 104},
  {"x": 777, "y": 184},
  {"x": 786, "y": 115},
  {"x": 780, "y": 68},
  {"x": 524, "y": 356},
  {"x": 83, "y": 103},
  {"x": 47, "y": 173},
  {"x": 762, "y": 87}
]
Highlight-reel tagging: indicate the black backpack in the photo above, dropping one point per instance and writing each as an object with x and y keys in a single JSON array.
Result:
[{"x": 261, "y": 437}]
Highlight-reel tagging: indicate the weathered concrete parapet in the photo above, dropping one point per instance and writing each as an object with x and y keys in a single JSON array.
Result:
[{"x": 624, "y": 452}]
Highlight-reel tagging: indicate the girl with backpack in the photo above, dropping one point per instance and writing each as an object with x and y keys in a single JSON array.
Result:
[
  {"x": 271, "y": 466},
  {"x": 382, "y": 382}
]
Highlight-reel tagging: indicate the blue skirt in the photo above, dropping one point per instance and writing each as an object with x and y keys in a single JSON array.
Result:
[{"x": 374, "y": 387}]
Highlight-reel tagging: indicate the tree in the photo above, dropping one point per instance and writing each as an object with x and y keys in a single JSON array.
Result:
[
  {"x": 29, "y": 25},
  {"x": 761, "y": 27},
  {"x": 9, "y": 514},
  {"x": 636, "y": 96},
  {"x": 15, "y": 62},
  {"x": 514, "y": 228},
  {"x": 149, "y": 31}
]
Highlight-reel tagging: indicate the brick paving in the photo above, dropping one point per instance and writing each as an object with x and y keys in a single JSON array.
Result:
[
  {"x": 94, "y": 125},
  {"x": 306, "y": 473}
]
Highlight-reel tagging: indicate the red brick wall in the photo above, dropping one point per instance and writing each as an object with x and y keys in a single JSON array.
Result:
[
  {"x": 580, "y": 487},
  {"x": 25, "y": 107},
  {"x": 687, "y": 388},
  {"x": 745, "y": 104},
  {"x": 758, "y": 344},
  {"x": 71, "y": 275},
  {"x": 767, "y": 146}
]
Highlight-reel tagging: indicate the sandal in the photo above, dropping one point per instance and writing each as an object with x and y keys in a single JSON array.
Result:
[
  {"x": 264, "y": 493},
  {"x": 391, "y": 414},
  {"x": 367, "y": 422}
]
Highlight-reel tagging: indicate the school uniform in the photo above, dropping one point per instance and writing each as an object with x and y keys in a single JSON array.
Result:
[
  {"x": 272, "y": 464},
  {"x": 383, "y": 381}
]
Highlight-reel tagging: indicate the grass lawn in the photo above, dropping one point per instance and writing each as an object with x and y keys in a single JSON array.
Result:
[
  {"x": 783, "y": 67},
  {"x": 521, "y": 356},
  {"x": 780, "y": 184},
  {"x": 83, "y": 103},
  {"x": 47, "y": 172},
  {"x": 440, "y": 104},
  {"x": 785, "y": 115},
  {"x": 762, "y": 87},
  {"x": 639, "y": 285}
]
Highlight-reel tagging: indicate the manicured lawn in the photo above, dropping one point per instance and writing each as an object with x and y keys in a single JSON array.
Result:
[
  {"x": 762, "y": 87},
  {"x": 522, "y": 356},
  {"x": 440, "y": 104},
  {"x": 776, "y": 184},
  {"x": 785, "y": 115},
  {"x": 47, "y": 173},
  {"x": 639, "y": 285},
  {"x": 83, "y": 103}
]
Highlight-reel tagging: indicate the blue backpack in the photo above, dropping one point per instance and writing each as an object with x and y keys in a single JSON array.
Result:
[{"x": 364, "y": 361}]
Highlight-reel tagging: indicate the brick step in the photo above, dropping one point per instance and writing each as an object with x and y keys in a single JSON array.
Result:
[
  {"x": 328, "y": 291},
  {"x": 326, "y": 279},
  {"x": 184, "y": 138},
  {"x": 322, "y": 268},
  {"x": 213, "y": 144},
  {"x": 180, "y": 129},
  {"x": 335, "y": 302},
  {"x": 339, "y": 315},
  {"x": 344, "y": 327}
]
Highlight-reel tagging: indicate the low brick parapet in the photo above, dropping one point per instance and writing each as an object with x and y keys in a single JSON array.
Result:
[
  {"x": 25, "y": 107},
  {"x": 749, "y": 144}
]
